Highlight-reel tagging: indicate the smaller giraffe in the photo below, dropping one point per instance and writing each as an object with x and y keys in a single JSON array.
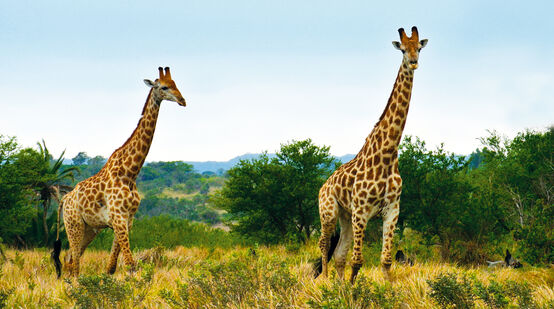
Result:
[
  {"x": 370, "y": 184},
  {"x": 110, "y": 198}
]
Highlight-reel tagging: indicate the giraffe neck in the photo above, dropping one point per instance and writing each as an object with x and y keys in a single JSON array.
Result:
[
  {"x": 387, "y": 132},
  {"x": 392, "y": 121},
  {"x": 127, "y": 161}
]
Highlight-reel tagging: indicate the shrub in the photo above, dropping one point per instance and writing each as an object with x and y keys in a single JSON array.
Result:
[
  {"x": 493, "y": 295},
  {"x": 105, "y": 291},
  {"x": 521, "y": 292},
  {"x": 363, "y": 294},
  {"x": 240, "y": 280},
  {"x": 98, "y": 291},
  {"x": 447, "y": 291}
]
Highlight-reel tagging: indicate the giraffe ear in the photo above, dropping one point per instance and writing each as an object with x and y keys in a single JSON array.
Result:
[
  {"x": 149, "y": 83},
  {"x": 423, "y": 43},
  {"x": 396, "y": 45}
]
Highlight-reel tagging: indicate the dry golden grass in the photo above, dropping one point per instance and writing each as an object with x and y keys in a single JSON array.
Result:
[{"x": 32, "y": 277}]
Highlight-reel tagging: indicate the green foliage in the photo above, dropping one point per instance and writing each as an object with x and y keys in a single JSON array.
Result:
[
  {"x": 436, "y": 200},
  {"x": 447, "y": 291},
  {"x": 521, "y": 172},
  {"x": 363, "y": 294},
  {"x": 474, "y": 204},
  {"x": 49, "y": 185},
  {"x": 275, "y": 200},
  {"x": 194, "y": 209},
  {"x": 235, "y": 282},
  {"x": 159, "y": 175},
  {"x": 169, "y": 232},
  {"x": 17, "y": 172},
  {"x": 492, "y": 295},
  {"x": 105, "y": 291},
  {"x": 80, "y": 159}
]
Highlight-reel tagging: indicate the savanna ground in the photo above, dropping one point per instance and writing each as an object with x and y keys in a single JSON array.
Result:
[{"x": 263, "y": 277}]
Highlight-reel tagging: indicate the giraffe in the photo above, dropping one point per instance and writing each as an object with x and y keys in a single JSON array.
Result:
[
  {"x": 110, "y": 198},
  {"x": 370, "y": 184}
]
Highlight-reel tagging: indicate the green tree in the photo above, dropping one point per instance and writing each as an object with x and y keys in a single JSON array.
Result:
[
  {"x": 16, "y": 208},
  {"x": 436, "y": 197},
  {"x": 50, "y": 183},
  {"x": 522, "y": 172},
  {"x": 272, "y": 200},
  {"x": 305, "y": 168},
  {"x": 80, "y": 159}
]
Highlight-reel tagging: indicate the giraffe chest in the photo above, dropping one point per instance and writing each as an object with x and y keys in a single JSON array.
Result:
[{"x": 368, "y": 193}]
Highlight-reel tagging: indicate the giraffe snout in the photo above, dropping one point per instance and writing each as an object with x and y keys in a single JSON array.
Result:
[{"x": 413, "y": 64}]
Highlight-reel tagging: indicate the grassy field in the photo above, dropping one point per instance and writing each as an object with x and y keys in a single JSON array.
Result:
[{"x": 264, "y": 277}]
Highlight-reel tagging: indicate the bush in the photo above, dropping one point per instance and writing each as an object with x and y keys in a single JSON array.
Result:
[
  {"x": 447, "y": 291},
  {"x": 493, "y": 295},
  {"x": 238, "y": 281},
  {"x": 363, "y": 294},
  {"x": 105, "y": 291}
]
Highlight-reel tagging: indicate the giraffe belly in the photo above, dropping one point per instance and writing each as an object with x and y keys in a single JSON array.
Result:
[{"x": 99, "y": 218}]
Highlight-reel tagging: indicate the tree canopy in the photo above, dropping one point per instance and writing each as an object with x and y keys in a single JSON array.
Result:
[{"x": 275, "y": 200}]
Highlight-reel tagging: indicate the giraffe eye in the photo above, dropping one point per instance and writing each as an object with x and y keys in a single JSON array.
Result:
[{"x": 165, "y": 88}]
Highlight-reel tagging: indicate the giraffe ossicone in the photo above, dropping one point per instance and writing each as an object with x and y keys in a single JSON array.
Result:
[
  {"x": 110, "y": 198},
  {"x": 370, "y": 184}
]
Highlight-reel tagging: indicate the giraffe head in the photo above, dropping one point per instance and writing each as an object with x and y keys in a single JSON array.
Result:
[
  {"x": 165, "y": 87},
  {"x": 410, "y": 47}
]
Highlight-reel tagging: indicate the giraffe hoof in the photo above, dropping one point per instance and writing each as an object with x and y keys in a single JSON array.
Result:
[{"x": 387, "y": 272}]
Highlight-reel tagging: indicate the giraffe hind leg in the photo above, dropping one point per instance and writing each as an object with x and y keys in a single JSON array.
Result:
[
  {"x": 345, "y": 241},
  {"x": 75, "y": 229},
  {"x": 328, "y": 215}
]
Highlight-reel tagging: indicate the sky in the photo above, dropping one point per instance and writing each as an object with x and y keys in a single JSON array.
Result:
[{"x": 257, "y": 74}]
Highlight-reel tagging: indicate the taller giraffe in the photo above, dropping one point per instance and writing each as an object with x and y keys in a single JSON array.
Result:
[
  {"x": 110, "y": 198},
  {"x": 370, "y": 184}
]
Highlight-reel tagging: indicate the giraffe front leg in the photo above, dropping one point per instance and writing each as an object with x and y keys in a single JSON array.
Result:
[
  {"x": 121, "y": 234},
  {"x": 114, "y": 254},
  {"x": 359, "y": 223},
  {"x": 390, "y": 219}
]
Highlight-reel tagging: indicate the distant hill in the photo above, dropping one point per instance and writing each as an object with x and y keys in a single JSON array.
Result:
[
  {"x": 219, "y": 167},
  {"x": 222, "y": 166}
]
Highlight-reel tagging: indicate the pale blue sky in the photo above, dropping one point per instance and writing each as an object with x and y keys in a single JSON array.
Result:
[{"x": 259, "y": 73}]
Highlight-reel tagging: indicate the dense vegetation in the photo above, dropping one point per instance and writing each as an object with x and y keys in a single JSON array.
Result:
[
  {"x": 275, "y": 200},
  {"x": 262, "y": 277},
  {"x": 471, "y": 208},
  {"x": 456, "y": 208}
]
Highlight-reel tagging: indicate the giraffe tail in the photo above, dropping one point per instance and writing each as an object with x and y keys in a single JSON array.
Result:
[
  {"x": 317, "y": 264},
  {"x": 58, "y": 245}
]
